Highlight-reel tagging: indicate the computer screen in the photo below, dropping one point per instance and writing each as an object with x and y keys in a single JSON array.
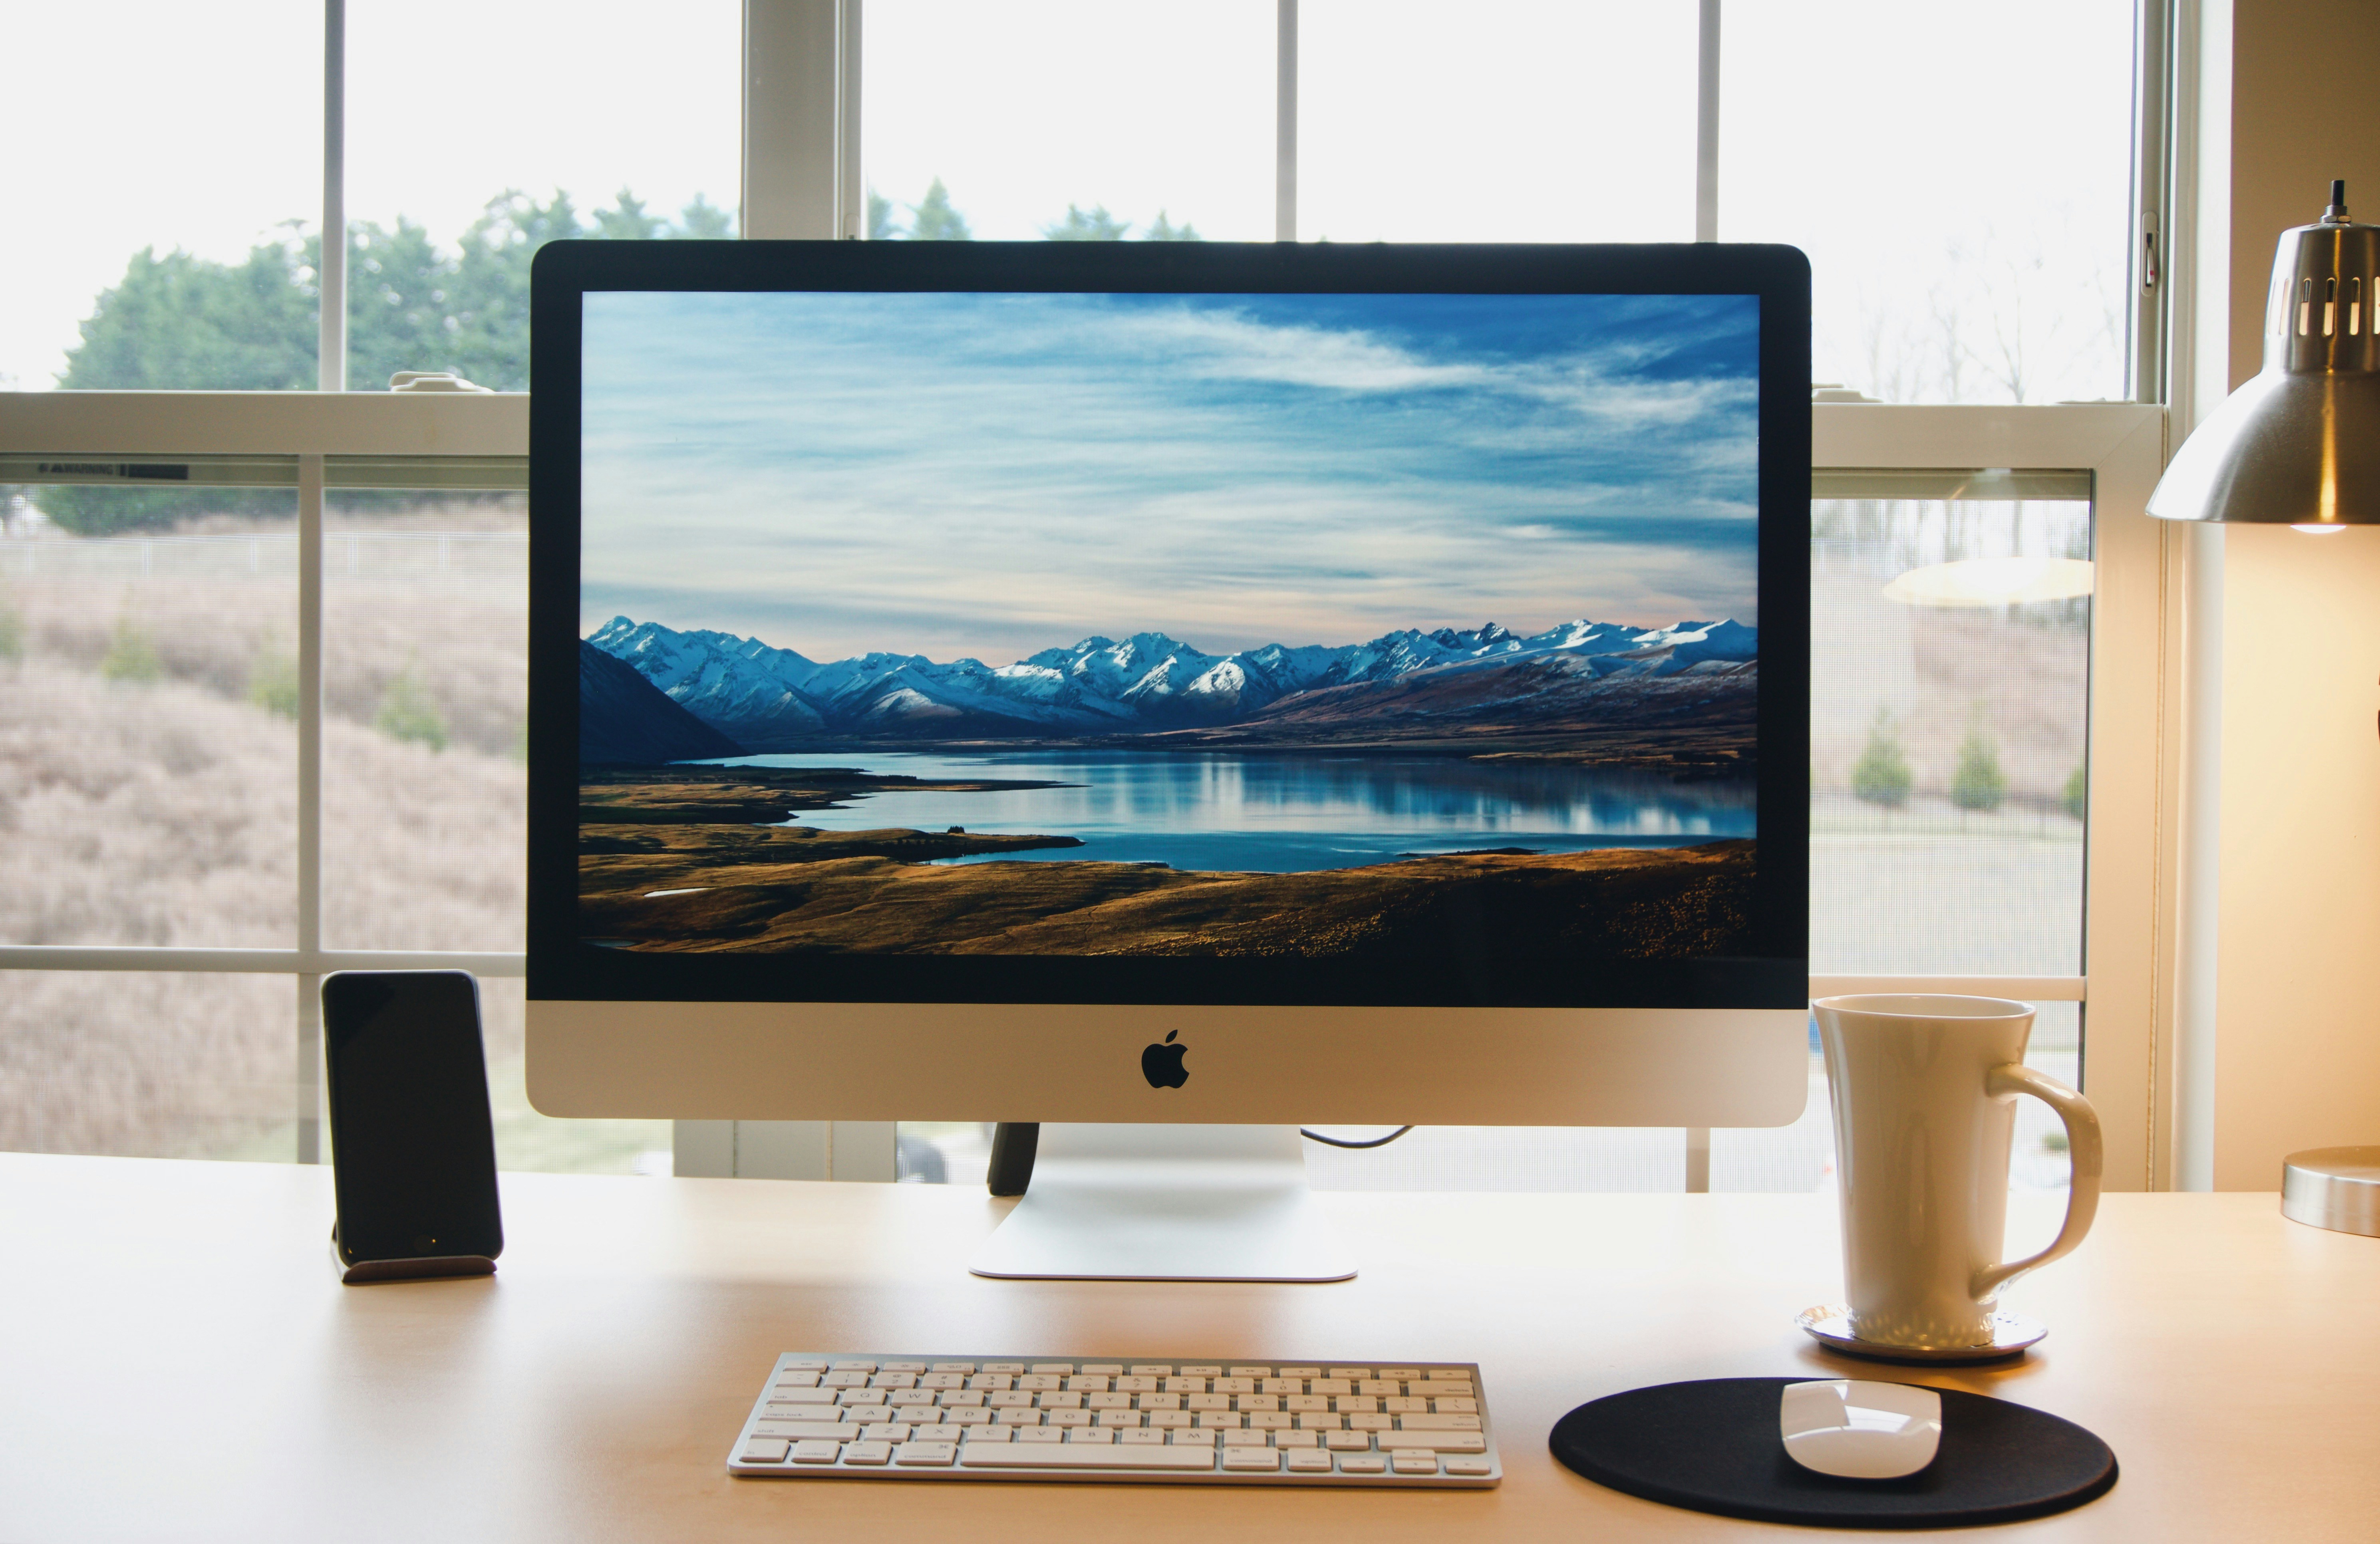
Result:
[{"x": 992, "y": 668}]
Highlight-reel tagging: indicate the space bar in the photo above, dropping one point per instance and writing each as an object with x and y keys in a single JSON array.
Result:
[{"x": 1068, "y": 1455}]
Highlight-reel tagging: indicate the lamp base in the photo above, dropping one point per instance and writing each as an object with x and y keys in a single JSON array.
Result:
[{"x": 2336, "y": 1188}]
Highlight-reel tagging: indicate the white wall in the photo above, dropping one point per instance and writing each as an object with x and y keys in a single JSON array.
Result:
[{"x": 2298, "y": 985}]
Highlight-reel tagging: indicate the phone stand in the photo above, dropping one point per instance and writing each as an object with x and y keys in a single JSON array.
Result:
[{"x": 412, "y": 1268}]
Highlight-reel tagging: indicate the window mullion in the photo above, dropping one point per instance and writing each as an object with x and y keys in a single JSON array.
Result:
[
  {"x": 1706, "y": 125},
  {"x": 310, "y": 804},
  {"x": 1285, "y": 155}
]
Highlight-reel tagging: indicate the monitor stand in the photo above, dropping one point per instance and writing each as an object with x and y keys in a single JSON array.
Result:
[{"x": 1197, "y": 1203}]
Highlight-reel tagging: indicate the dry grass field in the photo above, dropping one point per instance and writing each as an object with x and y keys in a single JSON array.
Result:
[{"x": 148, "y": 795}]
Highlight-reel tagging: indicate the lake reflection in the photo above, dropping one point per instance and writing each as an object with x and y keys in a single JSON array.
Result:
[{"x": 1284, "y": 813}]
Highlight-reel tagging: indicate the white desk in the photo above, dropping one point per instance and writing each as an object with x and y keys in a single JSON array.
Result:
[{"x": 177, "y": 1360}]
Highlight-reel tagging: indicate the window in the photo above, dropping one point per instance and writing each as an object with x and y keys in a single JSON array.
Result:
[{"x": 184, "y": 830}]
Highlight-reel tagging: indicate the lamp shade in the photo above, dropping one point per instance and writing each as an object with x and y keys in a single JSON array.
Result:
[{"x": 2300, "y": 444}]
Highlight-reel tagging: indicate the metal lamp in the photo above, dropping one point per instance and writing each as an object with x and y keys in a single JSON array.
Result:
[{"x": 2300, "y": 444}]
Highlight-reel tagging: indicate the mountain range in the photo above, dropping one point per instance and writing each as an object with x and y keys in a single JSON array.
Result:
[{"x": 765, "y": 698}]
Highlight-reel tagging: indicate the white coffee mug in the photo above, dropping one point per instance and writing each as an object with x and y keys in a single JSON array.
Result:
[{"x": 1925, "y": 1103}]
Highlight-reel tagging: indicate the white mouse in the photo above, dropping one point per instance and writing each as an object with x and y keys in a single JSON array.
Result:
[{"x": 1856, "y": 1429}]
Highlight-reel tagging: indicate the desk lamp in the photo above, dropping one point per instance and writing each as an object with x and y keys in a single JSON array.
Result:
[{"x": 2299, "y": 446}]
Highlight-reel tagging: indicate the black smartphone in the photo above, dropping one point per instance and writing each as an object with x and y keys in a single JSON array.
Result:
[{"x": 413, "y": 1146}]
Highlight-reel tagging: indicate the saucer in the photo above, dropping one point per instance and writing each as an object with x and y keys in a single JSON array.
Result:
[{"x": 1830, "y": 1325}]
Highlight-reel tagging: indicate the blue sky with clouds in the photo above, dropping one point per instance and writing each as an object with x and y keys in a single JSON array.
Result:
[{"x": 991, "y": 475}]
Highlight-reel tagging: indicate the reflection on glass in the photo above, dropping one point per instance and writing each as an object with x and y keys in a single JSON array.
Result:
[
  {"x": 1947, "y": 744},
  {"x": 425, "y": 695},
  {"x": 147, "y": 703},
  {"x": 1967, "y": 244},
  {"x": 148, "y": 1065},
  {"x": 1078, "y": 120}
]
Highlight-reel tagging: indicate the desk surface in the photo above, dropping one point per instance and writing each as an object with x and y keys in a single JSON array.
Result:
[{"x": 178, "y": 1361}]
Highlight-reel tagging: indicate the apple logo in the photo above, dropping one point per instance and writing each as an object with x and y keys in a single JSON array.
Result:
[{"x": 1161, "y": 1064}]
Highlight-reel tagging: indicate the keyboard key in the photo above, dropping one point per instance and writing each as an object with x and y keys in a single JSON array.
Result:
[
  {"x": 1350, "y": 1404},
  {"x": 1362, "y": 1422},
  {"x": 816, "y": 1453},
  {"x": 1000, "y": 1367},
  {"x": 1070, "y": 1456},
  {"x": 1310, "y": 1461},
  {"x": 898, "y": 1431},
  {"x": 990, "y": 1433},
  {"x": 1364, "y": 1463},
  {"x": 1234, "y": 1384},
  {"x": 1329, "y": 1385},
  {"x": 1262, "y": 1458},
  {"x": 1141, "y": 1436},
  {"x": 931, "y": 1453},
  {"x": 806, "y": 1430},
  {"x": 1170, "y": 1417},
  {"x": 1101, "y": 1369},
  {"x": 763, "y": 1450},
  {"x": 1308, "y": 1420},
  {"x": 1437, "y": 1423},
  {"x": 868, "y": 1453},
  {"x": 1297, "y": 1439},
  {"x": 841, "y": 1365},
  {"x": 797, "y": 1380},
  {"x": 940, "y": 1380},
  {"x": 1469, "y": 1466},
  {"x": 954, "y": 1366},
  {"x": 1406, "y": 1406},
  {"x": 1299, "y": 1372},
  {"x": 1456, "y": 1407},
  {"x": 1195, "y": 1438},
  {"x": 1040, "y": 1434},
  {"x": 1151, "y": 1369},
  {"x": 966, "y": 1417},
  {"x": 1251, "y": 1372},
  {"x": 1136, "y": 1383},
  {"x": 1407, "y": 1461},
  {"x": 1090, "y": 1434},
  {"x": 1441, "y": 1442},
  {"x": 1347, "y": 1441},
  {"x": 900, "y": 1367},
  {"x": 802, "y": 1396},
  {"x": 1350, "y": 1372},
  {"x": 1059, "y": 1368},
  {"x": 802, "y": 1364},
  {"x": 1189, "y": 1370},
  {"x": 1399, "y": 1372}
]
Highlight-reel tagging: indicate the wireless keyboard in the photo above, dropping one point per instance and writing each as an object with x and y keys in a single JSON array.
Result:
[{"x": 908, "y": 1416}]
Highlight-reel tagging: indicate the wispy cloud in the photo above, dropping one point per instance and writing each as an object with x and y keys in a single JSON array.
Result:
[{"x": 990, "y": 475}]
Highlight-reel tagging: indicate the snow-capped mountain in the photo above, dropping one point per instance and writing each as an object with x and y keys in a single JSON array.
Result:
[{"x": 765, "y": 698}]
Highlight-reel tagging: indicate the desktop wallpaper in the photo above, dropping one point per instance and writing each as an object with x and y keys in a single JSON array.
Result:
[{"x": 1281, "y": 625}]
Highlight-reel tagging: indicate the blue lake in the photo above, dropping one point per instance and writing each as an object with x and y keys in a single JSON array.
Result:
[{"x": 1283, "y": 814}]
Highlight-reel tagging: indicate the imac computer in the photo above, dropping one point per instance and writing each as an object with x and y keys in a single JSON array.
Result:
[{"x": 1173, "y": 691}]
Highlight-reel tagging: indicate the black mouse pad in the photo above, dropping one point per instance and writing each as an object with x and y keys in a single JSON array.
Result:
[{"x": 1714, "y": 1446}]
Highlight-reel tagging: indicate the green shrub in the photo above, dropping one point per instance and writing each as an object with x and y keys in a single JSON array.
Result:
[
  {"x": 272, "y": 679},
  {"x": 131, "y": 656},
  {"x": 2078, "y": 793},
  {"x": 12, "y": 635},
  {"x": 1978, "y": 784},
  {"x": 1881, "y": 774},
  {"x": 406, "y": 712}
]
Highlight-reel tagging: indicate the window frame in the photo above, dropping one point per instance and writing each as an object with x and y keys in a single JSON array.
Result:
[{"x": 801, "y": 178}]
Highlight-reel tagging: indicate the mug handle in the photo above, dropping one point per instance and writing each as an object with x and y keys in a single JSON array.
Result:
[{"x": 2083, "y": 1149}]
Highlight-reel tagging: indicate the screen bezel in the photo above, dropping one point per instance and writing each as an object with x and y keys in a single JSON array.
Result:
[{"x": 1772, "y": 975}]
